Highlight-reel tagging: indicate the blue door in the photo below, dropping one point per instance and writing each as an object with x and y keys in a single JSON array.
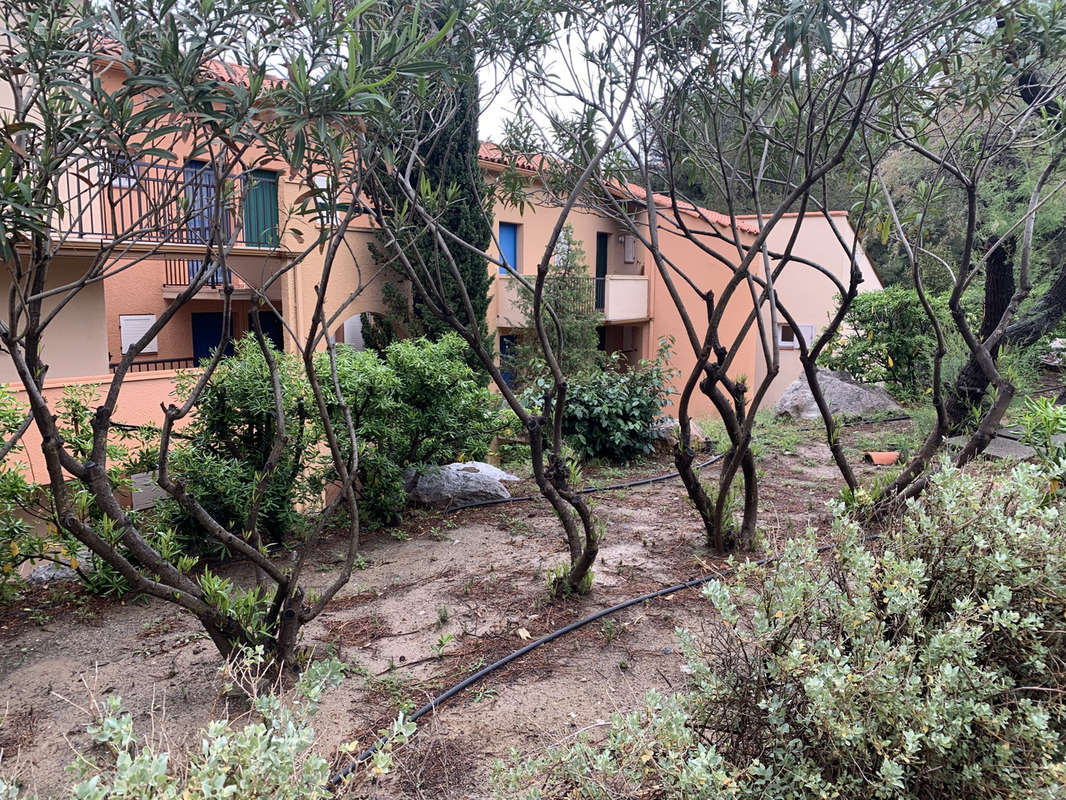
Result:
[
  {"x": 272, "y": 328},
  {"x": 206, "y": 334}
]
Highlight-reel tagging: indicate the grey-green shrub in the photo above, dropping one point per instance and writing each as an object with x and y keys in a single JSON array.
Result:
[
  {"x": 268, "y": 759},
  {"x": 931, "y": 664}
]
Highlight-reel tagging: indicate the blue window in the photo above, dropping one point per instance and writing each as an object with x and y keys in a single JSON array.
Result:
[{"x": 509, "y": 245}]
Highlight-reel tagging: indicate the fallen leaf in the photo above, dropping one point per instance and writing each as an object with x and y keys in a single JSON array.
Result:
[{"x": 523, "y": 634}]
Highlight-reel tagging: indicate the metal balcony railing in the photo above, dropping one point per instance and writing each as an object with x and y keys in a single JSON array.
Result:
[
  {"x": 584, "y": 292},
  {"x": 182, "y": 271},
  {"x": 107, "y": 198},
  {"x": 614, "y": 298},
  {"x": 155, "y": 364}
]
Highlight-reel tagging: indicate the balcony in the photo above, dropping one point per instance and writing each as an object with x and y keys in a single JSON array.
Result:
[
  {"x": 179, "y": 272},
  {"x": 156, "y": 204},
  {"x": 616, "y": 298}
]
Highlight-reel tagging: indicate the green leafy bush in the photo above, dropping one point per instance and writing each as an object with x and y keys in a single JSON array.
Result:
[
  {"x": 417, "y": 404},
  {"x": 931, "y": 664},
  {"x": 609, "y": 412},
  {"x": 226, "y": 446},
  {"x": 887, "y": 337}
]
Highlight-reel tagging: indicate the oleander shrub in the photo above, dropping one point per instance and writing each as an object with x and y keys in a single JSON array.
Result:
[
  {"x": 17, "y": 539},
  {"x": 29, "y": 531},
  {"x": 929, "y": 664},
  {"x": 1043, "y": 423}
]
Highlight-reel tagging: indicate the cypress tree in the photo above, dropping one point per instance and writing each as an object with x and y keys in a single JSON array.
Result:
[{"x": 449, "y": 164}]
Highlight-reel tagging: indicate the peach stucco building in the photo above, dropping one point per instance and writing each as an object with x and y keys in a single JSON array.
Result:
[
  {"x": 625, "y": 290},
  {"x": 636, "y": 309}
]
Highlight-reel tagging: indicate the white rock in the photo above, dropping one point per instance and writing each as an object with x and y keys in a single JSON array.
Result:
[
  {"x": 49, "y": 572},
  {"x": 845, "y": 396},
  {"x": 459, "y": 484}
]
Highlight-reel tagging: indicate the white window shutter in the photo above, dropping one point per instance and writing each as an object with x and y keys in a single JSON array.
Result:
[{"x": 132, "y": 327}]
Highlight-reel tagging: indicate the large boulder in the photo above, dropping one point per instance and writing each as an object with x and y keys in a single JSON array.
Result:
[
  {"x": 845, "y": 395},
  {"x": 665, "y": 431},
  {"x": 50, "y": 572},
  {"x": 458, "y": 484}
]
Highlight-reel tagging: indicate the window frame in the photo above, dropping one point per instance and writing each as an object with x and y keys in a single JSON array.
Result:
[{"x": 805, "y": 330}]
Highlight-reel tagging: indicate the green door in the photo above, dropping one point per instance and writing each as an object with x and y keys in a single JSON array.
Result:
[
  {"x": 261, "y": 209},
  {"x": 602, "y": 242}
]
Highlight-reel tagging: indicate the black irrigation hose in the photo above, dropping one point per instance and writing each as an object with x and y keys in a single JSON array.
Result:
[
  {"x": 484, "y": 671},
  {"x": 469, "y": 681},
  {"x": 573, "y": 626},
  {"x": 656, "y": 478}
]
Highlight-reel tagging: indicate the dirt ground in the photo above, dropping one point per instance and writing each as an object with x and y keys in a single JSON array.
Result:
[{"x": 478, "y": 575}]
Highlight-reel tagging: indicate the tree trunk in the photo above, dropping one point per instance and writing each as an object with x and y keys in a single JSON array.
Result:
[
  {"x": 684, "y": 456},
  {"x": 971, "y": 384}
]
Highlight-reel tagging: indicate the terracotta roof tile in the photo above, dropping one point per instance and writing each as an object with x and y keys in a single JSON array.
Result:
[{"x": 493, "y": 154}]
